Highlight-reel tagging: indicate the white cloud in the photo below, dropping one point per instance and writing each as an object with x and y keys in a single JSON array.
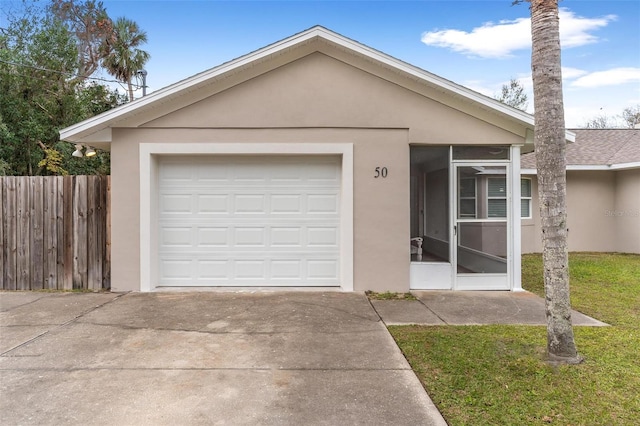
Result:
[
  {"x": 612, "y": 77},
  {"x": 500, "y": 40},
  {"x": 488, "y": 41},
  {"x": 569, "y": 73},
  {"x": 574, "y": 30}
]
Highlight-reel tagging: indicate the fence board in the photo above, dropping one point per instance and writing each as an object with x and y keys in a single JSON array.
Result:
[
  {"x": 9, "y": 248},
  {"x": 60, "y": 254},
  {"x": 36, "y": 232},
  {"x": 106, "y": 265},
  {"x": 92, "y": 237},
  {"x": 50, "y": 234},
  {"x": 67, "y": 225},
  {"x": 79, "y": 233},
  {"x": 23, "y": 235},
  {"x": 100, "y": 228},
  {"x": 2, "y": 242},
  {"x": 54, "y": 232}
]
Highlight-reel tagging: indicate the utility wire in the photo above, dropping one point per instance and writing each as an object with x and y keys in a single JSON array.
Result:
[{"x": 69, "y": 75}]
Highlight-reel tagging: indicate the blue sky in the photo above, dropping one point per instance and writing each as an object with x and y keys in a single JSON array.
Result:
[{"x": 479, "y": 44}]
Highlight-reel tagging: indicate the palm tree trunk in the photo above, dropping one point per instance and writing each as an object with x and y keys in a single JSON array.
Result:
[
  {"x": 550, "y": 146},
  {"x": 130, "y": 87}
]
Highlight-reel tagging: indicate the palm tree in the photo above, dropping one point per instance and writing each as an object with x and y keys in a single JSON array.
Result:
[
  {"x": 121, "y": 56},
  {"x": 550, "y": 146}
]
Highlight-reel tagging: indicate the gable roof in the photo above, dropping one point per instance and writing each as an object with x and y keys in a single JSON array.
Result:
[
  {"x": 597, "y": 149},
  {"x": 98, "y": 129}
]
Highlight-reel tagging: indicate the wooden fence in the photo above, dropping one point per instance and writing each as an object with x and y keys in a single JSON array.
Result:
[{"x": 54, "y": 232}]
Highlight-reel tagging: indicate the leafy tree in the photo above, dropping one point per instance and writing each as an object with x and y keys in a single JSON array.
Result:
[
  {"x": 33, "y": 99},
  {"x": 122, "y": 57},
  {"x": 39, "y": 95},
  {"x": 628, "y": 119},
  {"x": 513, "y": 95},
  {"x": 90, "y": 25},
  {"x": 550, "y": 147},
  {"x": 631, "y": 116},
  {"x": 602, "y": 121}
]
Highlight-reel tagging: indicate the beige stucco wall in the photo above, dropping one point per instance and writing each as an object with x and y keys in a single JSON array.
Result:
[
  {"x": 313, "y": 100},
  {"x": 531, "y": 240},
  {"x": 626, "y": 213},
  {"x": 603, "y": 209}
]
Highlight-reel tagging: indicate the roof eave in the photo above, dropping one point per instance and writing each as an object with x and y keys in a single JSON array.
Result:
[{"x": 85, "y": 129}]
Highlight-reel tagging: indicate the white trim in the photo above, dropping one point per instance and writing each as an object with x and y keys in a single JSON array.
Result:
[
  {"x": 482, "y": 282},
  {"x": 147, "y": 186},
  {"x": 625, "y": 166},
  {"x": 107, "y": 119},
  {"x": 490, "y": 281},
  {"x": 515, "y": 225},
  {"x": 529, "y": 198},
  {"x": 585, "y": 167}
]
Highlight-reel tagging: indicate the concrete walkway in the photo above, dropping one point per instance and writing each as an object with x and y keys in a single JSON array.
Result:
[
  {"x": 203, "y": 358},
  {"x": 471, "y": 308}
]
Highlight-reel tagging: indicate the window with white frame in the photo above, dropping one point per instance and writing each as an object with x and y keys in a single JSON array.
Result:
[
  {"x": 525, "y": 198},
  {"x": 497, "y": 197},
  {"x": 467, "y": 198}
]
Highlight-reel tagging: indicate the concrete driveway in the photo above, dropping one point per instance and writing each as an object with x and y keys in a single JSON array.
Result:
[{"x": 202, "y": 358}]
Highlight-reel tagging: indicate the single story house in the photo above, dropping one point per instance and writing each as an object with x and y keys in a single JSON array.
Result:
[
  {"x": 315, "y": 162},
  {"x": 603, "y": 193}
]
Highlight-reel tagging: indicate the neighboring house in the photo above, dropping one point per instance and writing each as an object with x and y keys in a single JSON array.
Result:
[
  {"x": 603, "y": 193},
  {"x": 313, "y": 162}
]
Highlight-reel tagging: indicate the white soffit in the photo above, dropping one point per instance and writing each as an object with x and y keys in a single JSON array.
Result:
[
  {"x": 85, "y": 130},
  {"x": 592, "y": 167}
]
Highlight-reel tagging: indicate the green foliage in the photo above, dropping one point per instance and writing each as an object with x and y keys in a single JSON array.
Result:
[
  {"x": 629, "y": 118},
  {"x": 497, "y": 374},
  {"x": 513, "y": 95},
  {"x": 90, "y": 24},
  {"x": 121, "y": 55},
  {"x": 52, "y": 162},
  {"x": 387, "y": 295},
  {"x": 40, "y": 93}
]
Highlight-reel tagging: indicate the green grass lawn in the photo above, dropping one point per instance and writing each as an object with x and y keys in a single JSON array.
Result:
[{"x": 496, "y": 375}]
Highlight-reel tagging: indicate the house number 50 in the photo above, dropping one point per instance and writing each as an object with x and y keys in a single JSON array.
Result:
[{"x": 380, "y": 172}]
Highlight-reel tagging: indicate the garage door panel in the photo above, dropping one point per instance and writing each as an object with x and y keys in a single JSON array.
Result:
[
  {"x": 209, "y": 236},
  {"x": 324, "y": 236},
  {"x": 212, "y": 238},
  {"x": 249, "y": 237},
  {"x": 234, "y": 203},
  {"x": 176, "y": 203},
  {"x": 211, "y": 204},
  {"x": 207, "y": 175},
  {"x": 176, "y": 236},
  {"x": 281, "y": 236},
  {"x": 243, "y": 221},
  {"x": 322, "y": 203},
  {"x": 177, "y": 270},
  {"x": 287, "y": 269},
  {"x": 249, "y": 203},
  {"x": 322, "y": 269},
  {"x": 250, "y": 272},
  {"x": 213, "y": 270},
  {"x": 286, "y": 204}
]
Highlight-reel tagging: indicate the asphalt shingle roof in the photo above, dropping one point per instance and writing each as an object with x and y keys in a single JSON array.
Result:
[{"x": 597, "y": 147}]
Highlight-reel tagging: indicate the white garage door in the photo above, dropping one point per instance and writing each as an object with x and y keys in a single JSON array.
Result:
[{"x": 249, "y": 221}]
